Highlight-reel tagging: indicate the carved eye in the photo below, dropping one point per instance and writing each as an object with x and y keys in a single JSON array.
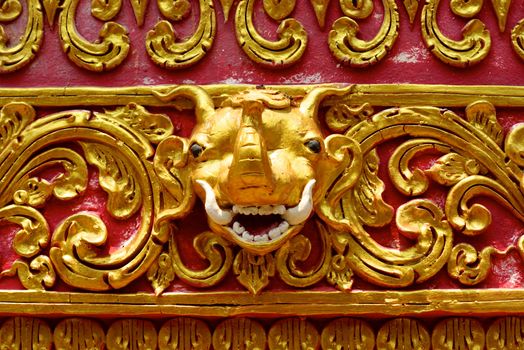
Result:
[
  {"x": 313, "y": 145},
  {"x": 196, "y": 150}
]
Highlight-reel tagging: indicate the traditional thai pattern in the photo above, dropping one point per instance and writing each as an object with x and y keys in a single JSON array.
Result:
[
  {"x": 246, "y": 333},
  {"x": 259, "y": 163},
  {"x": 167, "y": 50}
]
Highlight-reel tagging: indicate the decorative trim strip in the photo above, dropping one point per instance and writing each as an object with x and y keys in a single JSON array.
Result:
[
  {"x": 427, "y": 303},
  {"x": 381, "y": 95},
  {"x": 240, "y": 333},
  {"x": 150, "y": 167}
]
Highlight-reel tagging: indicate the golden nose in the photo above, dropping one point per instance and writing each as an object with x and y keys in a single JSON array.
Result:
[{"x": 251, "y": 166}]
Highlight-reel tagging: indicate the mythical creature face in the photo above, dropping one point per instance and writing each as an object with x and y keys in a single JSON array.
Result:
[{"x": 260, "y": 164}]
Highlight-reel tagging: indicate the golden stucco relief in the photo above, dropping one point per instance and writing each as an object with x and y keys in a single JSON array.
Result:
[
  {"x": 169, "y": 51},
  {"x": 186, "y": 333},
  {"x": 262, "y": 168}
]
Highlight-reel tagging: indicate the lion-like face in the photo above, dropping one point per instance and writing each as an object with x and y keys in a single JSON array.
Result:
[
  {"x": 258, "y": 174},
  {"x": 259, "y": 164}
]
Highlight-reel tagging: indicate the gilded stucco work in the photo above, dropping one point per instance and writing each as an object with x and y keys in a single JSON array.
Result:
[
  {"x": 260, "y": 165},
  {"x": 167, "y": 50}
]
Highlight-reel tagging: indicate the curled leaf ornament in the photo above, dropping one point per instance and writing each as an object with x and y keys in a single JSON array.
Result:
[
  {"x": 350, "y": 50},
  {"x": 105, "y": 54},
  {"x": 166, "y": 51},
  {"x": 288, "y": 49},
  {"x": 21, "y": 53},
  {"x": 468, "y": 266},
  {"x": 472, "y": 49}
]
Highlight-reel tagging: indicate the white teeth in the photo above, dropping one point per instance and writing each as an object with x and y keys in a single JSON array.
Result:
[
  {"x": 263, "y": 210},
  {"x": 262, "y": 238},
  {"x": 237, "y": 228},
  {"x": 218, "y": 215},
  {"x": 292, "y": 216},
  {"x": 273, "y": 234},
  {"x": 301, "y": 212},
  {"x": 279, "y": 209},
  {"x": 283, "y": 226},
  {"x": 276, "y": 232},
  {"x": 246, "y": 236}
]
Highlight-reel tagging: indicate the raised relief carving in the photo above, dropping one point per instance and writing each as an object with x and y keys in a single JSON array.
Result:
[
  {"x": 260, "y": 164},
  {"x": 167, "y": 50}
]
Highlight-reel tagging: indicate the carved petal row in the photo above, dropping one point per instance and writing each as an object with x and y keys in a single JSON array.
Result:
[
  {"x": 235, "y": 333},
  {"x": 169, "y": 51}
]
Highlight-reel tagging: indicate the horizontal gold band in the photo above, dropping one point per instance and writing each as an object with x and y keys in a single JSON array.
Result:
[
  {"x": 377, "y": 95},
  {"x": 270, "y": 304}
]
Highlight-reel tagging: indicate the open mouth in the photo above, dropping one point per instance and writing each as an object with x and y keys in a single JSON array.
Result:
[{"x": 259, "y": 224}]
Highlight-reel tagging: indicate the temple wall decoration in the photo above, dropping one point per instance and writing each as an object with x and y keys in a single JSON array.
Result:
[
  {"x": 167, "y": 50},
  {"x": 261, "y": 174}
]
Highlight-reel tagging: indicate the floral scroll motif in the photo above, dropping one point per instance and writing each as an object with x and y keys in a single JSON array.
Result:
[
  {"x": 154, "y": 177},
  {"x": 168, "y": 50}
]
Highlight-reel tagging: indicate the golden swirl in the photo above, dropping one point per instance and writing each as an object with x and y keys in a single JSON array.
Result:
[
  {"x": 105, "y": 10},
  {"x": 104, "y": 55},
  {"x": 116, "y": 178},
  {"x": 214, "y": 249},
  {"x": 10, "y": 10},
  {"x": 74, "y": 255},
  {"x": 175, "y": 10},
  {"x": 466, "y": 8},
  {"x": 165, "y": 51},
  {"x": 296, "y": 251},
  {"x": 517, "y": 38},
  {"x": 471, "y": 148},
  {"x": 463, "y": 53},
  {"x": 350, "y": 50},
  {"x": 476, "y": 219},
  {"x": 468, "y": 266},
  {"x": 288, "y": 49},
  {"x": 357, "y": 9},
  {"x": 279, "y": 9},
  {"x": 20, "y": 54},
  {"x": 407, "y": 181},
  {"x": 37, "y": 275},
  {"x": 34, "y": 235}
]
